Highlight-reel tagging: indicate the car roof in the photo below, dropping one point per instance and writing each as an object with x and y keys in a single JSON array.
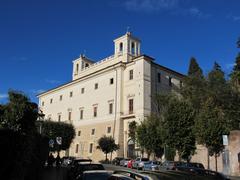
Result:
[{"x": 97, "y": 171}]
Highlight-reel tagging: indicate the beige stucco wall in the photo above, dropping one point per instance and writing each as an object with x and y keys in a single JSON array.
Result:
[{"x": 140, "y": 89}]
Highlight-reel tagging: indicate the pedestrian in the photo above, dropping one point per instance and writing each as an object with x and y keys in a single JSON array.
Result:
[
  {"x": 58, "y": 161},
  {"x": 50, "y": 160}
]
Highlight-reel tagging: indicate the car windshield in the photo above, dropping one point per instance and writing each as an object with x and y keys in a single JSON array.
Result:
[{"x": 145, "y": 159}]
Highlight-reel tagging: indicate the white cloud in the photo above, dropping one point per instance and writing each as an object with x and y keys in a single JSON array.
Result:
[
  {"x": 3, "y": 96},
  {"x": 195, "y": 12},
  {"x": 233, "y": 17},
  {"x": 150, "y": 5}
]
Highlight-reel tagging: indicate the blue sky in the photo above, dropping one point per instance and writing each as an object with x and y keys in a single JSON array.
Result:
[{"x": 40, "y": 38}]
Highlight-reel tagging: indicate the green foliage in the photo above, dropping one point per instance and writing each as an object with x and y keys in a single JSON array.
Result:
[
  {"x": 210, "y": 126},
  {"x": 149, "y": 136},
  {"x": 51, "y": 130},
  {"x": 194, "y": 85},
  {"x": 19, "y": 114},
  {"x": 132, "y": 130},
  {"x": 107, "y": 145},
  {"x": 235, "y": 74},
  {"x": 178, "y": 127},
  {"x": 194, "y": 69},
  {"x": 24, "y": 150}
]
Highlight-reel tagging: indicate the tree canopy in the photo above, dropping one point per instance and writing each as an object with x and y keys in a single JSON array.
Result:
[
  {"x": 107, "y": 145},
  {"x": 52, "y": 130}
]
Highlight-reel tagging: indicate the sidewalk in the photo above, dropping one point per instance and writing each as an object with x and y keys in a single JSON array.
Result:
[{"x": 54, "y": 174}]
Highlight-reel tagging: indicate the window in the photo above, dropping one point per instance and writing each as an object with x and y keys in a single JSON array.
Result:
[
  {"x": 79, "y": 133},
  {"x": 111, "y": 81},
  {"x": 91, "y": 148},
  {"x": 159, "y": 77},
  {"x": 130, "y": 74},
  {"x": 51, "y": 100},
  {"x": 43, "y": 103},
  {"x": 96, "y": 86},
  {"x": 121, "y": 47},
  {"x": 170, "y": 81},
  {"x": 59, "y": 117},
  {"x": 76, "y": 150},
  {"x": 110, "y": 108},
  {"x": 132, "y": 48},
  {"x": 60, "y": 97},
  {"x": 82, "y": 90},
  {"x": 71, "y": 94},
  {"x": 77, "y": 68},
  {"x": 108, "y": 130},
  {"x": 69, "y": 115},
  {"x": 81, "y": 114},
  {"x": 93, "y": 132},
  {"x": 130, "y": 106},
  {"x": 95, "y": 111}
]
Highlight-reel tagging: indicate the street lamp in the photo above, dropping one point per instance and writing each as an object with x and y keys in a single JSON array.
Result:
[{"x": 40, "y": 120}]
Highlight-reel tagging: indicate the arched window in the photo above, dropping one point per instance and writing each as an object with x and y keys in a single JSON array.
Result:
[
  {"x": 133, "y": 48},
  {"x": 77, "y": 68},
  {"x": 121, "y": 47}
]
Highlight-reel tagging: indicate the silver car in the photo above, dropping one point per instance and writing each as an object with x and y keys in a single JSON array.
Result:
[
  {"x": 124, "y": 162},
  {"x": 139, "y": 163}
]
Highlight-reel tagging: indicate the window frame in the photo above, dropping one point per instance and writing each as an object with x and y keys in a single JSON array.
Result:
[
  {"x": 130, "y": 106},
  {"x": 131, "y": 74}
]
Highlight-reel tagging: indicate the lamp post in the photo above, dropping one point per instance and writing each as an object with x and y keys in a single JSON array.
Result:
[{"x": 40, "y": 120}]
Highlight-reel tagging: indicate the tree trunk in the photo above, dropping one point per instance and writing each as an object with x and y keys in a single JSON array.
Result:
[
  {"x": 216, "y": 162},
  {"x": 106, "y": 157},
  {"x": 208, "y": 161}
]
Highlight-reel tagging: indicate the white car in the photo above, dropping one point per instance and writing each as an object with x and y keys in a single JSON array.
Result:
[{"x": 139, "y": 162}]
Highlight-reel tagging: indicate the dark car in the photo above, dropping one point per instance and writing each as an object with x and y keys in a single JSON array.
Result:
[
  {"x": 116, "y": 161},
  {"x": 78, "y": 166},
  {"x": 172, "y": 165}
]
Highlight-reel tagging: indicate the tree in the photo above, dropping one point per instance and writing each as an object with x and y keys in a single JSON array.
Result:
[
  {"x": 194, "y": 84},
  {"x": 25, "y": 150},
  {"x": 235, "y": 74},
  {"x": 215, "y": 117},
  {"x": 178, "y": 127},
  {"x": 149, "y": 136},
  {"x": 51, "y": 130},
  {"x": 107, "y": 145},
  {"x": 210, "y": 127},
  {"x": 19, "y": 114},
  {"x": 132, "y": 130}
]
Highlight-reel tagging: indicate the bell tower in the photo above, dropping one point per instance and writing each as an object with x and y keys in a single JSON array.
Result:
[{"x": 127, "y": 45}]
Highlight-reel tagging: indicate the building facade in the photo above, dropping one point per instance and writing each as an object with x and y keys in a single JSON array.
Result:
[{"x": 105, "y": 96}]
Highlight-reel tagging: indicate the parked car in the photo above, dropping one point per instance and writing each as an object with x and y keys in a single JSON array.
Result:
[
  {"x": 116, "y": 160},
  {"x": 80, "y": 165},
  {"x": 124, "y": 162},
  {"x": 139, "y": 162},
  {"x": 151, "y": 165},
  {"x": 130, "y": 163},
  {"x": 195, "y": 165},
  {"x": 95, "y": 175},
  {"x": 172, "y": 165}
]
